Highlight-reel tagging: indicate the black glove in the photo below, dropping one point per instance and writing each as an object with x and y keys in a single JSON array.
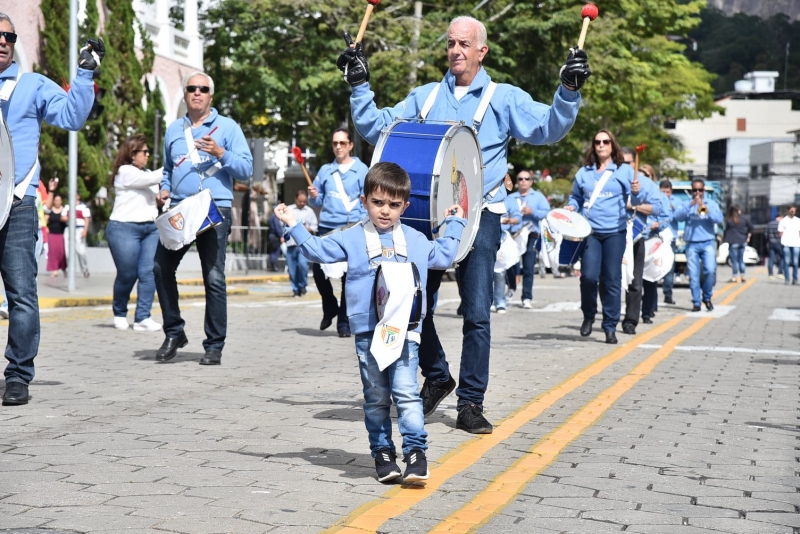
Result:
[
  {"x": 353, "y": 65},
  {"x": 576, "y": 69},
  {"x": 91, "y": 55}
]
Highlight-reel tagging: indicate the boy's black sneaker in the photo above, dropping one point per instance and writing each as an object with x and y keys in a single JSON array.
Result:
[
  {"x": 432, "y": 394},
  {"x": 416, "y": 468},
  {"x": 386, "y": 466},
  {"x": 471, "y": 419}
]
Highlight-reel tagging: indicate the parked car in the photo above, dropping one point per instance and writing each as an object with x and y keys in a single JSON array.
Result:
[{"x": 750, "y": 255}]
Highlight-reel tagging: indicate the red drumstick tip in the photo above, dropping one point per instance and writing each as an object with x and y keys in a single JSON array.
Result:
[
  {"x": 590, "y": 10},
  {"x": 374, "y": 2},
  {"x": 641, "y": 148},
  {"x": 298, "y": 155}
]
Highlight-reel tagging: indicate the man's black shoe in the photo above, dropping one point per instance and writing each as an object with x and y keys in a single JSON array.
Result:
[
  {"x": 669, "y": 301},
  {"x": 647, "y": 320},
  {"x": 432, "y": 394},
  {"x": 170, "y": 347},
  {"x": 709, "y": 306},
  {"x": 471, "y": 419},
  {"x": 211, "y": 357},
  {"x": 325, "y": 323},
  {"x": 611, "y": 337},
  {"x": 16, "y": 394},
  {"x": 586, "y": 327},
  {"x": 627, "y": 329},
  {"x": 695, "y": 308},
  {"x": 344, "y": 332}
]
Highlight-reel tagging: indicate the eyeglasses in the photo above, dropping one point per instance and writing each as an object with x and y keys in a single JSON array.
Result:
[
  {"x": 698, "y": 190},
  {"x": 202, "y": 88},
  {"x": 598, "y": 142},
  {"x": 146, "y": 151},
  {"x": 11, "y": 37},
  {"x": 524, "y": 178},
  {"x": 340, "y": 143}
]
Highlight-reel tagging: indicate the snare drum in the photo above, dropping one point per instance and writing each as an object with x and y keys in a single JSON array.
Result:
[
  {"x": 574, "y": 229},
  {"x": 445, "y": 165},
  {"x": 181, "y": 224},
  {"x": 638, "y": 229},
  {"x": 658, "y": 259},
  {"x": 6, "y": 173},
  {"x": 381, "y": 296}
]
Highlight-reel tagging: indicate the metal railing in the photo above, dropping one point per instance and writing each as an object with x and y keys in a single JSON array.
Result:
[{"x": 249, "y": 248}]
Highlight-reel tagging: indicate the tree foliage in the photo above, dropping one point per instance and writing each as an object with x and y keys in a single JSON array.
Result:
[
  {"x": 733, "y": 46},
  {"x": 273, "y": 64},
  {"x": 119, "y": 85}
]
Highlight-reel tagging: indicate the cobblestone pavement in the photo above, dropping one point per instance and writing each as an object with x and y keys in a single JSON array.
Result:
[{"x": 690, "y": 426}]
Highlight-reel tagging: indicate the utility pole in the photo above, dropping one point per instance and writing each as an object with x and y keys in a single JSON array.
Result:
[
  {"x": 72, "y": 179},
  {"x": 157, "y": 140},
  {"x": 786, "y": 67},
  {"x": 414, "y": 44}
]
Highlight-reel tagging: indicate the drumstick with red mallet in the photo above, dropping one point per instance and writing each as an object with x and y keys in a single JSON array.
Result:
[
  {"x": 298, "y": 156},
  {"x": 194, "y": 148},
  {"x": 370, "y": 6},
  {"x": 588, "y": 13}
]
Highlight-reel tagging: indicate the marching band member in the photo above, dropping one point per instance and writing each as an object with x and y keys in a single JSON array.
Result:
[
  {"x": 26, "y": 100},
  {"x": 655, "y": 224},
  {"x": 201, "y": 149},
  {"x": 674, "y": 204},
  {"x": 701, "y": 215},
  {"x": 601, "y": 191},
  {"x": 510, "y": 222},
  {"x": 336, "y": 192},
  {"x": 512, "y": 113},
  {"x": 533, "y": 207}
]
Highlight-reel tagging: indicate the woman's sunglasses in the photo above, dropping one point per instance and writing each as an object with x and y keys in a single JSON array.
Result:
[{"x": 598, "y": 142}]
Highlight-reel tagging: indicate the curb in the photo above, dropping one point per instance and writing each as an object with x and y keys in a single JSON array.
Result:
[
  {"x": 264, "y": 279},
  {"x": 74, "y": 302}
]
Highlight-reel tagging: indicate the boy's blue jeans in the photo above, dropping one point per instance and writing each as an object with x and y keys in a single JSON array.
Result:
[{"x": 398, "y": 382}]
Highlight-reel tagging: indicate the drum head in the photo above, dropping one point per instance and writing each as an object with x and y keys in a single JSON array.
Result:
[
  {"x": 6, "y": 173},
  {"x": 459, "y": 167},
  {"x": 658, "y": 259},
  {"x": 569, "y": 224}
]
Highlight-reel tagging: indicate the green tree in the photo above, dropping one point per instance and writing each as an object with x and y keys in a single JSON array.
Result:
[
  {"x": 273, "y": 63},
  {"x": 119, "y": 90}
]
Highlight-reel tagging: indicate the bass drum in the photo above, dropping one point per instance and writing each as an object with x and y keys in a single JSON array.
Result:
[
  {"x": 6, "y": 173},
  {"x": 445, "y": 165}
]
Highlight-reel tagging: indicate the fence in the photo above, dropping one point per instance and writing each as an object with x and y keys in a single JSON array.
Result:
[{"x": 248, "y": 248}]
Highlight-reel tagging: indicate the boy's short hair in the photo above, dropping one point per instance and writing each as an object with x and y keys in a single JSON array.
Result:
[{"x": 390, "y": 178}]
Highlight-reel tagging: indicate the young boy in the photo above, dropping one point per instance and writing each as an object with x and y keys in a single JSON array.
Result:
[{"x": 387, "y": 188}]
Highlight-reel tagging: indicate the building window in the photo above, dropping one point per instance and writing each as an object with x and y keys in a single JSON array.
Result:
[
  {"x": 741, "y": 125},
  {"x": 765, "y": 170},
  {"x": 753, "y": 171}
]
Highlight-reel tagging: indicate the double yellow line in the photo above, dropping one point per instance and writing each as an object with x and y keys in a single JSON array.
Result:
[{"x": 506, "y": 486}]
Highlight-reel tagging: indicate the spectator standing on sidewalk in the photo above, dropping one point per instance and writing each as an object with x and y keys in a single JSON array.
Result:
[
  {"x": 774, "y": 248},
  {"x": 132, "y": 235},
  {"x": 82, "y": 217},
  {"x": 275, "y": 239},
  {"x": 56, "y": 225},
  {"x": 738, "y": 231},
  {"x": 789, "y": 230}
]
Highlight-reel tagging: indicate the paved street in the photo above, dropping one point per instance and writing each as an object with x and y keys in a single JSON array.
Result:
[{"x": 690, "y": 426}]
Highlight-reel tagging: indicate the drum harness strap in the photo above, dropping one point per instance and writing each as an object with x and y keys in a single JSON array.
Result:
[
  {"x": 194, "y": 157},
  {"x": 348, "y": 204},
  {"x": 5, "y": 95},
  {"x": 374, "y": 248},
  {"x": 598, "y": 188}
]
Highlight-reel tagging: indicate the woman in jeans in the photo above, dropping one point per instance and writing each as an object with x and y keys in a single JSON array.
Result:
[
  {"x": 131, "y": 233},
  {"x": 738, "y": 230}
]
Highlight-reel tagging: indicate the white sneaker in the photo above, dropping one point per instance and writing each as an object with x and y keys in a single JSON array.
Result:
[
  {"x": 509, "y": 294},
  {"x": 148, "y": 325},
  {"x": 501, "y": 310},
  {"x": 121, "y": 323},
  {"x": 4, "y": 313},
  {"x": 526, "y": 304}
]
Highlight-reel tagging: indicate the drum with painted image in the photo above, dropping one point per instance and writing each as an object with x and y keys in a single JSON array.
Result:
[
  {"x": 6, "y": 173},
  {"x": 658, "y": 259},
  {"x": 445, "y": 164}
]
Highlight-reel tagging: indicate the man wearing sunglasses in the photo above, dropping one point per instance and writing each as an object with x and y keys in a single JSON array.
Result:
[
  {"x": 202, "y": 150},
  {"x": 27, "y": 100},
  {"x": 534, "y": 207},
  {"x": 701, "y": 214},
  {"x": 464, "y": 94}
]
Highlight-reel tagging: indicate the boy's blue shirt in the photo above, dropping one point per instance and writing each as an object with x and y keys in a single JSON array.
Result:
[
  {"x": 333, "y": 213},
  {"x": 608, "y": 214},
  {"x": 351, "y": 246}
]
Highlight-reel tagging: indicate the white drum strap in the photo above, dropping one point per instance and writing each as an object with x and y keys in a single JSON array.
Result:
[
  {"x": 194, "y": 157},
  {"x": 348, "y": 204},
  {"x": 483, "y": 106},
  {"x": 8, "y": 88},
  {"x": 598, "y": 188},
  {"x": 426, "y": 108},
  {"x": 374, "y": 248}
]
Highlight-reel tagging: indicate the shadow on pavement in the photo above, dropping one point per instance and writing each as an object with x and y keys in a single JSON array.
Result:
[
  {"x": 351, "y": 465},
  {"x": 330, "y": 332},
  {"x": 145, "y": 355}
]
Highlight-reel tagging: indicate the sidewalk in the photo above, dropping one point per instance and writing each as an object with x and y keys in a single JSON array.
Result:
[{"x": 97, "y": 290}]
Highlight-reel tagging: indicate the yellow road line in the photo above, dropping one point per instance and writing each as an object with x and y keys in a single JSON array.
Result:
[
  {"x": 506, "y": 486},
  {"x": 370, "y": 516}
]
